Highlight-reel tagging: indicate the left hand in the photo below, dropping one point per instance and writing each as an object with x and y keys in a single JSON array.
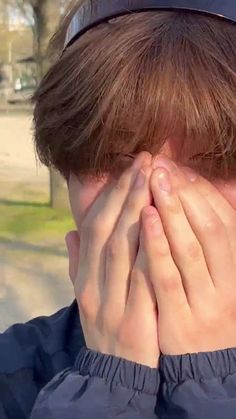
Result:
[{"x": 191, "y": 256}]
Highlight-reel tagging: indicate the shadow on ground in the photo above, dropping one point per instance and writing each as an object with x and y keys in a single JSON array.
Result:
[
  {"x": 30, "y": 247},
  {"x": 23, "y": 203}
]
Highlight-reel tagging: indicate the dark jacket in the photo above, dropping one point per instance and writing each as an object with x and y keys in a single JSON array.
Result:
[{"x": 46, "y": 372}]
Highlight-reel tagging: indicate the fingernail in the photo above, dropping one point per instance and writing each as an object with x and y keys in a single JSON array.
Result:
[
  {"x": 154, "y": 221},
  {"x": 140, "y": 180},
  {"x": 163, "y": 180}
]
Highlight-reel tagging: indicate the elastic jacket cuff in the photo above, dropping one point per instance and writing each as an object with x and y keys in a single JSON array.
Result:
[
  {"x": 119, "y": 371},
  {"x": 198, "y": 366}
]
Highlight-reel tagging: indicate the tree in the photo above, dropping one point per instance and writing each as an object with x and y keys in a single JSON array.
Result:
[
  {"x": 43, "y": 17},
  {"x": 46, "y": 15}
]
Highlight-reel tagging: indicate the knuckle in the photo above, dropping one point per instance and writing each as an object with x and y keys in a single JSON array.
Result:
[
  {"x": 174, "y": 206},
  {"x": 162, "y": 249},
  {"x": 100, "y": 227},
  {"x": 113, "y": 248},
  {"x": 96, "y": 227},
  {"x": 211, "y": 318},
  {"x": 136, "y": 274},
  {"x": 228, "y": 306},
  {"x": 230, "y": 222},
  {"x": 193, "y": 251},
  {"x": 213, "y": 226},
  {"x": 123, "y": 335},
  {"x": 108, "y": 320},
  {"x": 169, "y": 283},
  {"x": 86, "y": 304},
  {"x": 231, "y": 310}
]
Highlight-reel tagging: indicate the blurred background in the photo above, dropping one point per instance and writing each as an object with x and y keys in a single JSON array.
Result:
[{"x": 34, "y": 211}]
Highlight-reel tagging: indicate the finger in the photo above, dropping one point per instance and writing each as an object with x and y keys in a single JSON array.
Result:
[
  {"x": 211, "y": 233},
  {"x": 108, "y": 206},
  {"x": 72, "y": 243},
  {"x": 185, "y": 248},
  {"x": 98, "y": 226},
  {"x": 122, "y": 247},
  {"x": 203, "y": 218},
  {"x": 219, "y": 203},
  {"x": 164, "y": 274},
  {"x": 141, "y": 307},
  {"x": 220, "y": 206}
]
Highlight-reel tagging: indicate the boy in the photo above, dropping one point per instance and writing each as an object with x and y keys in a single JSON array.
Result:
[{"x": 163, "y": 82}]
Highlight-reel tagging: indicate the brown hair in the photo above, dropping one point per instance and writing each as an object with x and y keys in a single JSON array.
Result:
[{"x": 129, "y": 84}]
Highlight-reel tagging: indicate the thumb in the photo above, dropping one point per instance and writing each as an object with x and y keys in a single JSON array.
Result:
[{"x": 72, "y": 242}]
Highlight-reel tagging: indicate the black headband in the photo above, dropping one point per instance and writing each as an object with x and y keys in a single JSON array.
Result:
[{"x": 92, "y": 13}]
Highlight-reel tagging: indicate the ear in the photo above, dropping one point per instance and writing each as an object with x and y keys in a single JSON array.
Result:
[{"x": 73, "y": 242}]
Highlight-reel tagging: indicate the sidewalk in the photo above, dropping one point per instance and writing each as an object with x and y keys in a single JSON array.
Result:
[{"x": 33, "y": 276}]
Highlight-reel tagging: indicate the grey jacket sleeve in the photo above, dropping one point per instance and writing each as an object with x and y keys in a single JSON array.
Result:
[
  {"x": 99, "y": 387},
  {"x": 198, "y": 386},
  {"x": 104, "y": 387}
]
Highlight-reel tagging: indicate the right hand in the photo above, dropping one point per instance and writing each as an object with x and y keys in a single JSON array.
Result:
[{"x": 107, "y": 267}]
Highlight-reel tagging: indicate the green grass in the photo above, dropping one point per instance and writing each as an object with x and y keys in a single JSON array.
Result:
[{"x": 36, "y": 222}]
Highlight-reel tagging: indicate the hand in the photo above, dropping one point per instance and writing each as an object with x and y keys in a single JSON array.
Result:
[
  {"x": 116, "y": 300},
  {"x": 190, "y": 245}
]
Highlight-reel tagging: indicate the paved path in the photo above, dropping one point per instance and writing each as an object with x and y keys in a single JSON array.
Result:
[
  {"x": 33, "y": 278},
  {"x": 18, "y": 162}
]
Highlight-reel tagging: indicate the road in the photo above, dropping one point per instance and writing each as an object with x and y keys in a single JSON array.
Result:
[{"x": 32, "y": 282}]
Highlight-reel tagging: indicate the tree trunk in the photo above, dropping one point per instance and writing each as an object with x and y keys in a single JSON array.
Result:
[
  {"x": 58, "y": 191},
  {"x": 47, "y": 16}
]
